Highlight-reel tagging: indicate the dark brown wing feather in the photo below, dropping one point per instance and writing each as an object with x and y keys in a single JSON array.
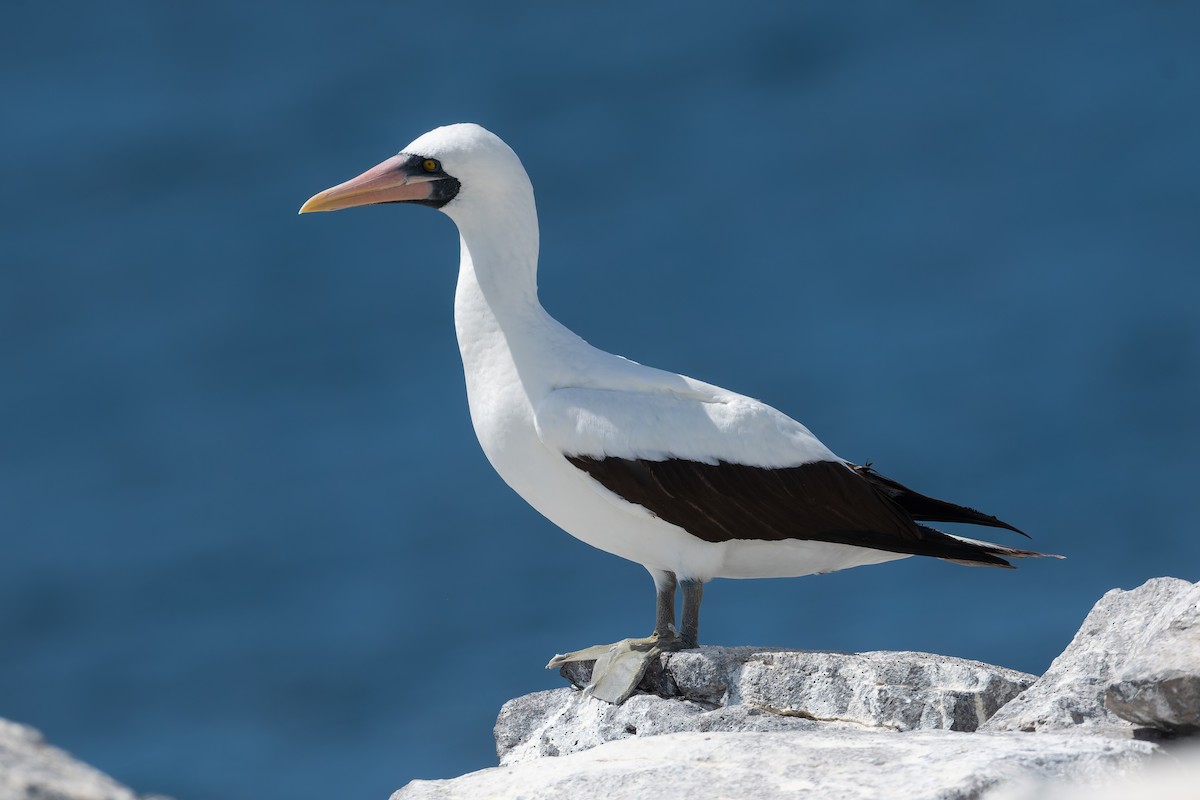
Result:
[
  {"x": 929, "y": 509},
  {"x": 821, "y": 501}
]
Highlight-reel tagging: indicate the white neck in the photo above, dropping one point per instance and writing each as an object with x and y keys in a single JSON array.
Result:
[
  {"x": 499, "y": 254},
  {"x": 507, "y": 340}
]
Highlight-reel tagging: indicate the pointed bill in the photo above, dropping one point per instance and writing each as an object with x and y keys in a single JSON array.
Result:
[{"x": 389, "y": 182}]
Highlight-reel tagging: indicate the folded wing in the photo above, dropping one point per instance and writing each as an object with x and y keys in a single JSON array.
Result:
[{"x": 727, "y": 468}]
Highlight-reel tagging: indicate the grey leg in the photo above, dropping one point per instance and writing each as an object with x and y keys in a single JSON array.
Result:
[
  {"x": 664, "y": 625},
  {"x": 664, "y": 617},
  {"x": 689, "y": 633},
  {"x": 619, "y": 667}
]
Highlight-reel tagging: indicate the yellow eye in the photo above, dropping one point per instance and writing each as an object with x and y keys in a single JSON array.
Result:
[{"x": 430, "y": 165}]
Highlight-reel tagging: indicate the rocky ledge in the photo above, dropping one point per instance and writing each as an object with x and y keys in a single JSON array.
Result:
[
  {"x": 1115, "y": 716},
  {"x": 1109, "y": 718},
  {"x": 716, "y": 689},
  {"x": 31, "y": 769}
]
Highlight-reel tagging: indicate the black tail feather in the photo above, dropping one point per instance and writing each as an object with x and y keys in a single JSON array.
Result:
[
  {"x": 929, "y": 509},
  {"x": 990, "y": 550},
  {"x": 966, "y": 551}
]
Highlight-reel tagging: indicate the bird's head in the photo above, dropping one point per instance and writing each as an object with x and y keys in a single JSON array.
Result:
[{"x": 451, "y": 168}]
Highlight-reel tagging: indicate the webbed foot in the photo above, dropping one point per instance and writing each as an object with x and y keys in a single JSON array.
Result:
[{"x": 619, "y": 667}]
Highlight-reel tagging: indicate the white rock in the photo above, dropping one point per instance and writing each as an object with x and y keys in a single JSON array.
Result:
[
  {"x": 1071, "y": 693},
  {"x": 1174, "y": 775},
  {"x": 563, "y": 721},
  {"x": 31, "y": 769},
  {"x": 756, "y": 689},
  {"x": 826, "y": 764},
  {"x": 1159, "y": 686}
]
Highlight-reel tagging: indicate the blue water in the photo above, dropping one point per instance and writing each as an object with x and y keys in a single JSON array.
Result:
[{"x": 250, "y": 547}]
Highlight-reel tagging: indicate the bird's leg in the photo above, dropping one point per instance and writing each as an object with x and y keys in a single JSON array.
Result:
[
  {"x": 619, "y": 667},
  {"x": 689, "y": 631},
  {"x": 664, "y": 605},
  {"x": 664, "y": 624}
]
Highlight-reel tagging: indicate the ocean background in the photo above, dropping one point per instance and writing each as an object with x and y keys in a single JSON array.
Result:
[{"x": 249, "y": 546}]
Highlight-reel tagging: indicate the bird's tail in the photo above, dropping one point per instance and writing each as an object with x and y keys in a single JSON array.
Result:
[
  {"x": 958, "y": 549},
  {"x": 929, "y": 509},
  {"x": 981, "y": 553}
]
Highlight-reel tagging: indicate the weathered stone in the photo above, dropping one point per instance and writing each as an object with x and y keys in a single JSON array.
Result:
[
  {"x": 1159, "y": 686},
  {"x": 562, "y": 721},
  {"x": 31, "y": 769},
  {"x": 1071, "y": 693},
  {"x": 830, "y": 764},
  {"x": 1171, "y": 775},
  {"x": 756, "y": 689},
  {"x": 746, "y": 722}
]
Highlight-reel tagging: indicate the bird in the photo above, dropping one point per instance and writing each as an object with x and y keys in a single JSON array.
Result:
[{"x": 690, "y": 480}]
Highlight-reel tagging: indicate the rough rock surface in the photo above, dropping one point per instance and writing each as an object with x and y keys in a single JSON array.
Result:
[
  {"x": 31, "y": 769},
  {"x": 1174, "y": 775},
  {"x": 827, "y": 764},
  {"x": 1071, "y": 693},
  {"x": 1159, "y": 686},
  {"x": 751, "y": 722},
  {"x": 755, "y": 689}
]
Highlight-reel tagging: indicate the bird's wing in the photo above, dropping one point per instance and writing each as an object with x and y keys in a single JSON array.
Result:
[
  {"x": 725, "y": 467},
  {"x": 696, "y": 423}
]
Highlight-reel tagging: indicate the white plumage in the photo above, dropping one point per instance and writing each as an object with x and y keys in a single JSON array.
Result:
[{"x": 577, "y": 431}]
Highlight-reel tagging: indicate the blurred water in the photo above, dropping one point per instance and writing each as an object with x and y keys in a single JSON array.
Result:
[{"x": 250, "y": 547}]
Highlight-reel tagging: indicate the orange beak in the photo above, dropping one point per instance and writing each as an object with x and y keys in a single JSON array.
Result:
[{"x": 389, "y": 182}]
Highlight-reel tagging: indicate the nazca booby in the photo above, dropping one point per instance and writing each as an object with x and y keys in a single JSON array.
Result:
[{"x": 690, "y": 480}]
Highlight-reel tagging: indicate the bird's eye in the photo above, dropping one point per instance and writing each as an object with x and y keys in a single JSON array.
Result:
[{"x": 430, "y": 165}]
